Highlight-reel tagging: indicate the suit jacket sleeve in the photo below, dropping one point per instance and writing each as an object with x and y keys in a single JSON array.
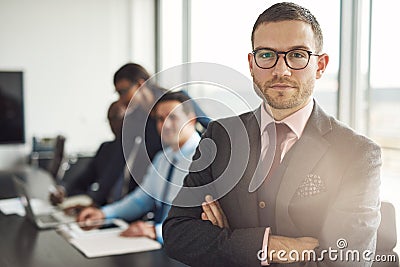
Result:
[
  {"x": 80, "y": 184},
  {"x": 138, "y": 202},
  {"x": 354, "y": 215},
  {"x": 199, "y": 243}
]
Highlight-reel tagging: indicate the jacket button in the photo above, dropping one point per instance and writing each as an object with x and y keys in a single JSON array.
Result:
[{"x": 261, "y": 204}]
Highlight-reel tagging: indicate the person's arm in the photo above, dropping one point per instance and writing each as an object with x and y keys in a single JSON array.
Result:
[
  {"x": 131, "y": 207},
  {"x": 138, "y": 202},
  {"x": 354, "y": 216},
  {"x": 147, "y": 229},
  {"x": 80, "y": 184},
  {"x": 90, "y": 214},
  {"x": 75, "y": 185},
  {"x": 57, "y": 194},
  {"x": 140, "y": 229},
  {"x": 200, "y": 243},
  {"x": 213, "y": 212}
]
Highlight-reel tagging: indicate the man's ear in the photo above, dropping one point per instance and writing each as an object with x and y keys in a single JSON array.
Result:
[
  {"x": 250, "y": 60},
  {"x": 322, "y": 63}
]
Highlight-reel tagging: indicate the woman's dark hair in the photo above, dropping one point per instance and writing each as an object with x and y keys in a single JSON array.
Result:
[{"x": 132, "y": 72}]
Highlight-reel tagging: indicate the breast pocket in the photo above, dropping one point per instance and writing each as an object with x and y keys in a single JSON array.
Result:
[{"x": 308, "y": 209}]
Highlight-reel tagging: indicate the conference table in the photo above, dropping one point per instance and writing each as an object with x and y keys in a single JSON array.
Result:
[{"x": 22, "y": 244}]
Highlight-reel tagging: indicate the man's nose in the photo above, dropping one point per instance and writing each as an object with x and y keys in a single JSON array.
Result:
[{"x": 281, "y": 68}]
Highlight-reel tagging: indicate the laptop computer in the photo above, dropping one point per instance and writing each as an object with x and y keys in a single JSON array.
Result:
[{"x": 43, "y": 220}]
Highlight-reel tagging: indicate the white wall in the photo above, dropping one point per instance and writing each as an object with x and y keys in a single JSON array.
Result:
[{"x": 69, "y": 51}]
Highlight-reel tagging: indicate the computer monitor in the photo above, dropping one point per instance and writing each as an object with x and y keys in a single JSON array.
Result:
[{"x": 12, "y": 128}]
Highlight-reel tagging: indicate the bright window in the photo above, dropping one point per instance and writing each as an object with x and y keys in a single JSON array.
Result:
[{"x": 384, "y": 120}]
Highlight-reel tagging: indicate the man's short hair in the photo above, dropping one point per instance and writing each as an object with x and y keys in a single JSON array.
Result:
[
  {"x": 114, "y": 110},
  {"x": 290, "y": 11},
  {"x": 179, "y": 96},
  {"x": 132, "y": 72}
]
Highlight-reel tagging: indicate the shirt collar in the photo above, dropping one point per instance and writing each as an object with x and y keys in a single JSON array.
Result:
[
  {"x": 296, "y": 122},
  {"x": 186, "y": 151}
]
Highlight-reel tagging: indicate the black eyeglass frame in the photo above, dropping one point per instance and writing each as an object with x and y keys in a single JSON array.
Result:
[{"x": 277, "y": 53}]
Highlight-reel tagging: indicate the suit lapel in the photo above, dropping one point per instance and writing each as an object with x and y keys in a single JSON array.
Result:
[{"x": 307, "y": 152}]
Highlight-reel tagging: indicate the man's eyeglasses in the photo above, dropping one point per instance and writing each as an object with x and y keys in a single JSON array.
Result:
[{"x": 295, "y": 59}]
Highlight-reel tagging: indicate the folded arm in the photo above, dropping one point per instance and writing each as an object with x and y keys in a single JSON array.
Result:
[{"x": 213, "y": 212}]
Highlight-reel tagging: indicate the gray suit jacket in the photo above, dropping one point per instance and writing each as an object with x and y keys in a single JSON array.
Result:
[{"x": 330, "y": 191}]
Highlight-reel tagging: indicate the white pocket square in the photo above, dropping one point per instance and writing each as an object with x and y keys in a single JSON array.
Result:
[{"x": 312, "y": 185}]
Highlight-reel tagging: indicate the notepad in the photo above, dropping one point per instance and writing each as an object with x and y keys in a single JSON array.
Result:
[
  {"x": 113, "y": 244},
  {"x": 105, "y": 242}
]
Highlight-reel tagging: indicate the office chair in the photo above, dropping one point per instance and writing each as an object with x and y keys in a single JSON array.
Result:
[
  {"x": 387, "y": 235},
  {"x": 54, "y": 166}
]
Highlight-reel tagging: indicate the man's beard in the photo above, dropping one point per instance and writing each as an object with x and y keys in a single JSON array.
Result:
[{"x": 277, "y": 99}]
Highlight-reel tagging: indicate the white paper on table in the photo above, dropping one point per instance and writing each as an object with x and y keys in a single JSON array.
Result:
[
  {"x": 107, "y": 244},
  {"x": 13, "y": 206}
]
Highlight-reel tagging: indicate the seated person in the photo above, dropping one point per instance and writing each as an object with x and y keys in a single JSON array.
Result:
[
  {"x": 103, "y": 179},
  {"x": 99, "y": 177},
  {"x": 175, "y": 121},
  {"x": 139, "y": 93}
]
